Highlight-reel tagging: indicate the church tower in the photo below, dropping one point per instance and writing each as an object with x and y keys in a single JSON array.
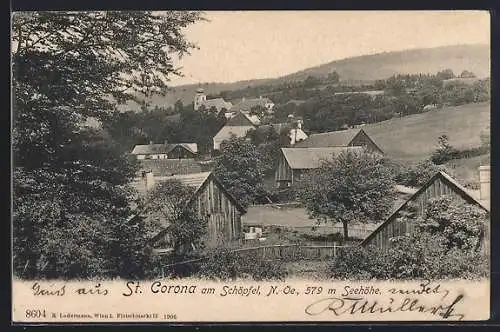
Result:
[{"x": 199, "y": 98}]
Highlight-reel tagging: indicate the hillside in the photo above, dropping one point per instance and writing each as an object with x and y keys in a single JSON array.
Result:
[
  {"x": 413, "y": 138},
  {"x": 367, "y": 68}
]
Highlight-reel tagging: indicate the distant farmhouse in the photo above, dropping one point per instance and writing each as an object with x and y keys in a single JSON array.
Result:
[
  {"x": 211, "y": 201},
  {"x": 238, "y": 126},
  {"x": 246, "y": 105},
  {"x": 349, "y": 137},
  {"x": 439, "y": 185},
  {"x": 165, "y": 151},
  {"x": 293, "y": 162},
  {"x": 200, "y": 99},
  {"x": 294, "y": 132}
]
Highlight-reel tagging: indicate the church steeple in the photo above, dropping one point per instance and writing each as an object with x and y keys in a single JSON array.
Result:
[{"x": 199, "y": 98}]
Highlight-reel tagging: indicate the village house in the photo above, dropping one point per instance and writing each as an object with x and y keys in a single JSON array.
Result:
[
  {"x": 211, "y": 201},
  {"x": 439, "y": 185},
  {"x": 293, "y": 162},
  {"x": 246, "y": 105},
  {"x": 165, "y": 151},
  {"x": 238, "y": 126},
  {"x": 294, "y": 131},
  {"x": 349, "y": 137},
  {"x": 200, "y": 99}
]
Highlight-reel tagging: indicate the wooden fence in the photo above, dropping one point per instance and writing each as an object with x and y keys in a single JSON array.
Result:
[
  {"x": 294, "y": 251},
  {"x": 290, "y": 252}
]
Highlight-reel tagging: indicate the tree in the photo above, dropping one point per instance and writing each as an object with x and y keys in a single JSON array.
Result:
[
  {"x": 467, "y": 74},
  {"x": 352, "y": 187},
  {"x": 445, "y": 74},
  {"x": 240, "y": 169},
  {"x": 70, "y": 185},
  {"x": 333, "y": 77},
  {"x": 168, "y": 207},
  {"x": 444, "y": 151},
  {"x": 462, "y": 226}
]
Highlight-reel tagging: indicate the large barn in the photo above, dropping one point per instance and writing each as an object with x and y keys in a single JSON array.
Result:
[
  {"x": 293, "y": 162},
  {"x": 439, "y": 185},
  {"x": 211, "y": 201},
  {"x": 349, "y": 137}
]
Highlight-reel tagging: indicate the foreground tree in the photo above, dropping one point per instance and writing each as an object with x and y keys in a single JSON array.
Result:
[
  {"x": 240, "y": 169},
  {"x": 70, "y": 194},
  {"x": 352, "y": 187}
]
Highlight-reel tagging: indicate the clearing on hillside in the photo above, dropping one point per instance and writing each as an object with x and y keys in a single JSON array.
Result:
[{"x": 414, "y": 137}]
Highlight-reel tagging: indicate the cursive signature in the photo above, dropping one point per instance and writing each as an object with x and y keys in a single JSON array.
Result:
[{"x": 359, "y": 305}]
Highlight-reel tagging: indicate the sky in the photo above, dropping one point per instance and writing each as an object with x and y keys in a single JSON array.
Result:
[{"x": 236, "y": 46}]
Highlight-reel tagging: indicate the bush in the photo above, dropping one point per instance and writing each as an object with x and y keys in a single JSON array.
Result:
[
  {"x": 420, "y": 256},
  {"x": 225, "y": 264},
  {"x": 446, "y": 244},
  {"x": 418, "y": 175}
]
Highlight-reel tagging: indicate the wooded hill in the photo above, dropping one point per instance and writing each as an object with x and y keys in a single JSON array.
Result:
[{"x": 365, "y": 68}]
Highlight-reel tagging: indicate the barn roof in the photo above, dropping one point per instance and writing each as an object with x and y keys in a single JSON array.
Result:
[
  {"x": 164, "y": 167},
  {"x": 194, "y": 180},
  {"x": 309, "y": 158},
  {"x": 163, "y": 148},
  {"x": 457, "y": 187},
  {"x": 330, "y": 139}
]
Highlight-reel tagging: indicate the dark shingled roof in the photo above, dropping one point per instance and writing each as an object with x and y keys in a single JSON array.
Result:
[{"x": 166, "y": 167}]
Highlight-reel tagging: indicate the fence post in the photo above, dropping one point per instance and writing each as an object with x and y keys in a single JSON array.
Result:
[{"x": 334, "y": 250}]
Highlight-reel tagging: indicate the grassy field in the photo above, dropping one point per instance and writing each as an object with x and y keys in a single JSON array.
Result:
[
  {"x": 294, "y": 222},
  {"x": 413, "y": 138}
]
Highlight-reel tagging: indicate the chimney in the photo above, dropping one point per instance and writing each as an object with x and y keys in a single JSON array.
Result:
[
  {"x": 484, "y": 180},
  {"x": 260, "y": 97}
]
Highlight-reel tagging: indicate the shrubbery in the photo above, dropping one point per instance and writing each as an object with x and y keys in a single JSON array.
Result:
[
  {"x": 225, "y": 264},
  {"x": 418, "y": 175},
  {"x": 447, "y": 244}
]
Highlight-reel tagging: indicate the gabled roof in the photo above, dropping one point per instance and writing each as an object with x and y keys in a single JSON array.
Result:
[
  {"x": 309, "y": 158},
  {"x": 330, "y": 139},
  {"x": 242, "y": 119},
  {"x": 151, "y": 148},
  {"x": 162, "y": 148},
  {"x": 218, "y": 103},
  {"x": 226, "y": 131},
  {"x": 458, "y": 188}
]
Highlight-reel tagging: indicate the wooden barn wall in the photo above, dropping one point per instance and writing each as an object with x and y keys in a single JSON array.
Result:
[
  {"x": 362, "y": 139},
  {"x": 180, "y": 152},
  {"x": 398, "y": 227},
  {"x": 283, "y": 172},
  {"x": 224, "y": 219}
]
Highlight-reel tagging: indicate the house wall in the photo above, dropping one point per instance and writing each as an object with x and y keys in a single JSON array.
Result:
[
  {"x": 397, "y": 226},
  {"x": 224, "y": 219},
  {"x": 362, "y": 139}
]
